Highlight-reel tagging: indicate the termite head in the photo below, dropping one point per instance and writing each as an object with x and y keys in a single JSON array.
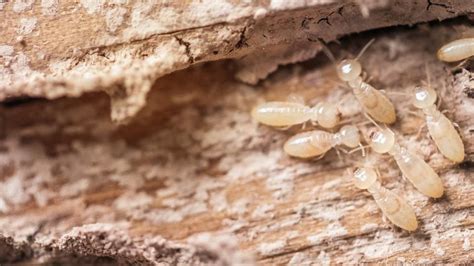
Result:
[
  {"x": 424, "y": 97},
  {"x": 349, "y": 69},
  {"x": 350, "y": 136},
  {"x": 364, "y": 177},
  {"x": 382, "y": 140},
  {"x": 327, "y": 115}
]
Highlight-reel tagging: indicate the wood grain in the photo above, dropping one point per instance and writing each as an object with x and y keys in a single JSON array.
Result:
[{"x": 193, "y": 165}]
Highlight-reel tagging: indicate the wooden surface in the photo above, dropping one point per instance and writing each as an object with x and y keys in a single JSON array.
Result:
[
  {"x": 193, "y": 179},
  {"x": 53, "y": 48}
]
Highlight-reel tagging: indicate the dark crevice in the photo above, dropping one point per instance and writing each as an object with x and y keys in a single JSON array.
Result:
[
  {"x": 187, "y": 45},
  {"x": 242, "y": 40},
  {"x": 305, "y": 22},
  {"x": 339, "y": 11},
  {"x": 326, "y": 19},
  {"x": 445, "y": 6},
  {"x": 469, "y": 92},
  {"x": 467, "y": 165},
  {"x": 19, "y": 101}
]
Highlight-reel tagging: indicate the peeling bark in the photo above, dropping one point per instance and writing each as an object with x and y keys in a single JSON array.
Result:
[{"x": 134, "y": 44}]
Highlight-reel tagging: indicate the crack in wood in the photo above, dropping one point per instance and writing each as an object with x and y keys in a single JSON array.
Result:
[
  {"x": 242, "y": 40},
  {"x": 187, "y": 46},
  {"x": 305, "y": 22},
  {"x": 445, "y": 6}
]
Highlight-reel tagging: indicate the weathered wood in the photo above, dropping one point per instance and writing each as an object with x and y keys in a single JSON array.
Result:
[
  {"x": 194, "y": 169},
  {"x": 192, "y": 179},
  {"x": 53, "y": 49}
]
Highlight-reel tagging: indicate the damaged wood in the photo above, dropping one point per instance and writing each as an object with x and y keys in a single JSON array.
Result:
[
  {"x": 193, "y": 179},
  {"x": 51, "y": 49}
]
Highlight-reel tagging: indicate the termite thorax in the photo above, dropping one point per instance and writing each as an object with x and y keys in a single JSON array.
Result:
[
  {"x": 431, "y": 112},
  {"x": 356, "y": 84},
  {"x": 375, "y": 189},
  {"x": 399, "y": 153}
]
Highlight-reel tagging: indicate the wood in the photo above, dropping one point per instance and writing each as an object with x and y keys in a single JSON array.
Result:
[
  {"x": 52, "y": 49},
  {"x": 192, "y": 179}
]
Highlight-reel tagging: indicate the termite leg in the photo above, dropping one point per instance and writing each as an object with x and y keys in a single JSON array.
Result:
[
  {"x": 418, "y": 134},
  {"x": 319, "y": 157},
  {"x": 446, "y": 111},
  {"x": 414, "y": 113},
  {"x": 342, "y": 149},
  {"x": 456, "y": 125},
  {"x": 303, "y": 126},
  {"x": 361, "y": 148},
  {"x": 377, "y": 171},
  {"x": 440, "y": 100},
  {"x": 294, "y": 98},
  {"x": 369, "y": 79},
  {"x": 459, "y": 66},
  {"x": 338, "y": 153},
  {"x": 282, "y": 128}
]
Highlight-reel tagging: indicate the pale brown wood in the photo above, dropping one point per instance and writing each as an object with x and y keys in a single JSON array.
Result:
[
  {"x": 194, "y": 162},
  {"x": 193, "y": 180}
]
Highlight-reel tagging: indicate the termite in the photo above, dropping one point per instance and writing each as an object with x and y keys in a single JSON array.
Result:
[
  {"x": 415, "y": 169},
  {"x": 284, "y": 114},
  {"x": 394, "y": 207},
  {"x": 457, "y": 50},
  {"x": 374, "y": 102},
  {"x": 441, "y": 129},
  {"x": 318, "y": 142}
]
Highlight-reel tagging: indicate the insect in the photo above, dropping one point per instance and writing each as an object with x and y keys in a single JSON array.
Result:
[
  {"x": 318, "y": 142},
  {"x": 456, "y": 50},
  {"x": 441, "y": 129},
  {"x": 397, "y": 210},
  {"x": 374, "y": 102},
  {"x": 415, "y": 169},
  {"x": 284, "y": 114}
]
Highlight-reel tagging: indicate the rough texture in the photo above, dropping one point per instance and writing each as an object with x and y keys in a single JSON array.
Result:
[
  {"x": 52, "y": 49},
  {"x": 194, "y": 169},
  {"x": 192, "y": 179}
]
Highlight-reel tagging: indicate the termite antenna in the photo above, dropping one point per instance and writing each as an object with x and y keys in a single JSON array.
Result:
[
  {"x": 398, "y": 93},
  {"x": 428, "y": 75},
  {"x": 327, "y": 52},
  {"x": 365, "y": 49},
  {"x": 363, "y": 150},
  {"x": 378, "y": 172},
  {"x": 361, "y": 147}
]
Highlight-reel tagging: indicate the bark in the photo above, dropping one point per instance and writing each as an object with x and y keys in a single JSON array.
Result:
[
  {"x": 191, "y": 179},
  {"x": 57, "y": 49}
]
